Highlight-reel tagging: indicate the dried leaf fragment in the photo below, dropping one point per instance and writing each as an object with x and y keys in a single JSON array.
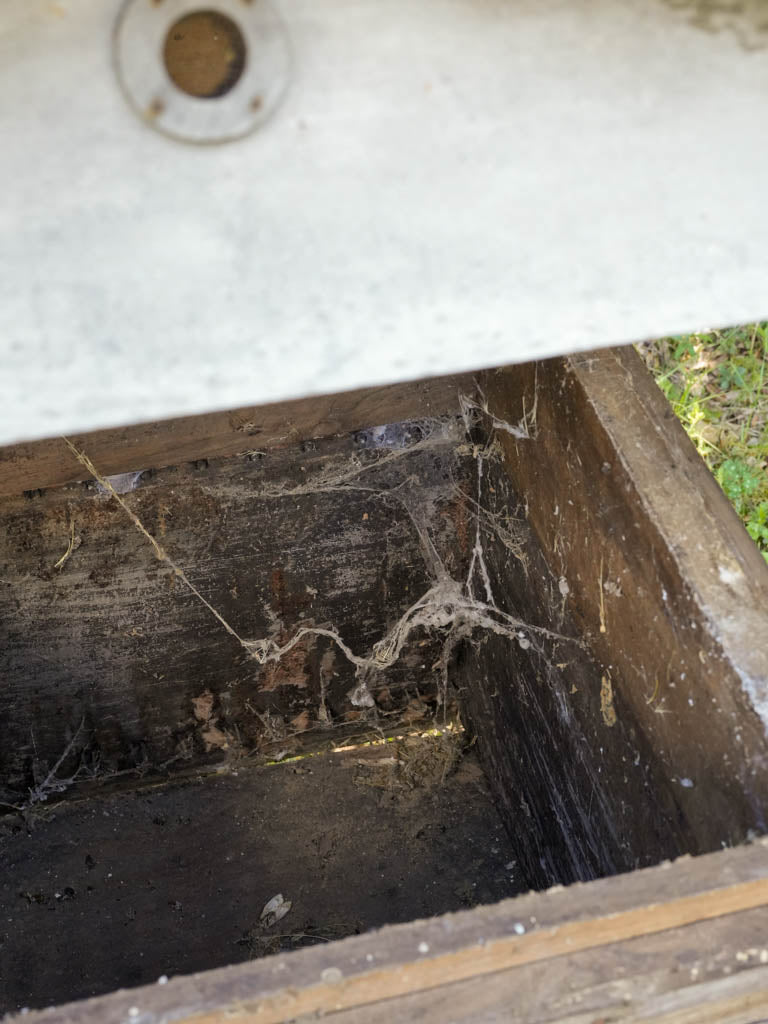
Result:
[{"x": 274, "y": 910}]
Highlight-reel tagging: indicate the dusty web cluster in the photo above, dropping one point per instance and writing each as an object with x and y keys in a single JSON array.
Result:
[{"x": 450, "y": 608}]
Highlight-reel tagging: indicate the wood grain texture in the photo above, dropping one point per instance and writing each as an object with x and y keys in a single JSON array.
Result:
[
  {"x": 658, "y": 749},
  {"x": 582, "y": 799},
  {"x": 710, "y": 972},
  {"x": 424, "y": 956},
  {"x": 41, "y": 464},
  {"x": 113, "y": 642}
]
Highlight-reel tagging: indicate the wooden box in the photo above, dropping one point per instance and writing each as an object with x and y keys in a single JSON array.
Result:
[{"x": 391, "y": 657}]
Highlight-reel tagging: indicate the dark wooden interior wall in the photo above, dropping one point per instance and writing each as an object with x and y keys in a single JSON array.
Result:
[
  {"x": 114, "y": 641},
  {"x": 647, "y": 743},
  {"x": 582, "y": 799}
]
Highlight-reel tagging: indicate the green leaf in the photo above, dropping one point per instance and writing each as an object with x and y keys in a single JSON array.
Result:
[{"x": 738, "y": 480}]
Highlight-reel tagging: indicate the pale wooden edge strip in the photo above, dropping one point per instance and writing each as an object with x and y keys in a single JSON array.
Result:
[
  {"x": 641, "y": 980},
  {"x": 498, "y": 955},
  {"x": 734, "y": 1000},
  {"x": 741, "y": 999}
]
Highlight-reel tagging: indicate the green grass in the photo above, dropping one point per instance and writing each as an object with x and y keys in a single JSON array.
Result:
[{"x": 717, "y": 384}]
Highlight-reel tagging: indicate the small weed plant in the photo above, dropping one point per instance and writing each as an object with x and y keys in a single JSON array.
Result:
[{"x": 717, "y": 384}]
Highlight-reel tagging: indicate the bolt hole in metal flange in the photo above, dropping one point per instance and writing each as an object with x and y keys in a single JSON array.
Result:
[
  {"x": 205, "y": 54},
  {"x": 202, "y": 74}
]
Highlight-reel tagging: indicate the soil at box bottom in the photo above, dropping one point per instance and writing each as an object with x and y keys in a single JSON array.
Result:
[{"x": 120, "y": 889}]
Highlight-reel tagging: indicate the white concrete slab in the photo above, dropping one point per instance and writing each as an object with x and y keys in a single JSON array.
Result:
[{"x": 446, "y": 185}]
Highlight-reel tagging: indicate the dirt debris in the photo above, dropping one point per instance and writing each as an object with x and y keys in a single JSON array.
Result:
[
  {"x": 414, "y": 762},
  {"x": 120, "y": 889}
]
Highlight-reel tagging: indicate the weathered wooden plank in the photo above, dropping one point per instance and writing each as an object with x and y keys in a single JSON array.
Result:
[
  {"x": 40, "y": 464},
  {"x": 707, "y": 973},
  {"x": 660, "y": 748},
  {"x": 582, "y": 799},
  {"x": 112, "y": 652},
  {"x": 424, "y": 956}
]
